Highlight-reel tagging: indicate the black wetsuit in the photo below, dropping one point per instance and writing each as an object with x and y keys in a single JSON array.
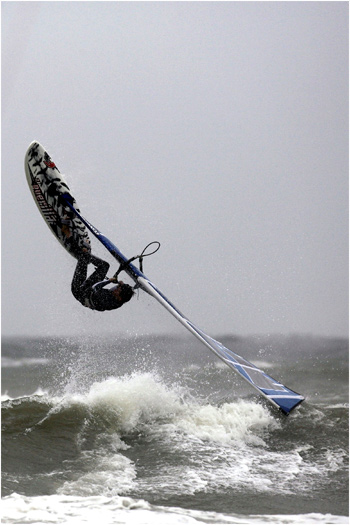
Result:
[{"x": 89, "y": 291}]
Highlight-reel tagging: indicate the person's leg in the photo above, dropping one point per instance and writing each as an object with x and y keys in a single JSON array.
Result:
[
  {"x": 79, "y": 277},
  {"x": 101, "y": 269}
]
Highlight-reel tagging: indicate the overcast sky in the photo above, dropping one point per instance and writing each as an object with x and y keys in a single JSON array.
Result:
[{"x": 218, "y": 129}]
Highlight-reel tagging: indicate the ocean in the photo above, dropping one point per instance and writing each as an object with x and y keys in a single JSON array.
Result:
[{"x": 156, "y": 430}]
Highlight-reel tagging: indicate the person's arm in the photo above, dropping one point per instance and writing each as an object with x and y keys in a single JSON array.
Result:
[{"x": 101, "y": 284}]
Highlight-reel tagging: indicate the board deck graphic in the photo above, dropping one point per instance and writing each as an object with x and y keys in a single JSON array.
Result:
[{"x": 47, "y": 185}]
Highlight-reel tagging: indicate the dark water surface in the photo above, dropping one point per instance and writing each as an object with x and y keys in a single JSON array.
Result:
[{"x": 142, "y": 430}]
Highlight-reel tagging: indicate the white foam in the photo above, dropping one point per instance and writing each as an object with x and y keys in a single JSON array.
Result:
[
  {"x": 143, "y": 401},
  {"x": 38, "y": 392},
  {"x": 230, "y": 423},
  {"x": 9, "y": 362},
  {"x": 130, "y": 401},
  {"x": 140, "y": 399},
  {"x": 58, "y": 509},
  {"x": 111, "y": 475}
]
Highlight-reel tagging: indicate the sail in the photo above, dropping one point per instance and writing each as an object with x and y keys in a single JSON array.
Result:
[{"x": 274, "y": 391}]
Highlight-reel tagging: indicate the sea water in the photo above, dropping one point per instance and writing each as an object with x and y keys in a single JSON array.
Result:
[{"x": 149, "y": 430}]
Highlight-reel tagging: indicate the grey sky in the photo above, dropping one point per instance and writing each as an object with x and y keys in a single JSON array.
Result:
[{"x": 219, "y": 129}]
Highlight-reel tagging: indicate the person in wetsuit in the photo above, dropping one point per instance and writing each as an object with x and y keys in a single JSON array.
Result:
[{"x": 91, "y": 291}]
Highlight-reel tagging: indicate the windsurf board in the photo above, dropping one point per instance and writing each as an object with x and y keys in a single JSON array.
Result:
[{"x": 47, "y": 186}]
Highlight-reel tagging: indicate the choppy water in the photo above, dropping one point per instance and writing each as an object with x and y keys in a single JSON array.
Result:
[{"x": 156, "y": 430}]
